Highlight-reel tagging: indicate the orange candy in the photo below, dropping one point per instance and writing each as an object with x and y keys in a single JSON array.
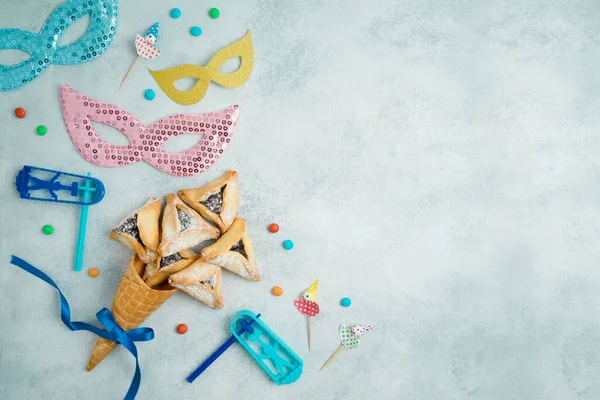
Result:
[
  {"x": 273, "y": 228},
  {"x": 93, "y": 272},
  {"x": 20, "y": 112},
  {"x": 277, "y": 291},
  {"x": 181, "y": 329}
]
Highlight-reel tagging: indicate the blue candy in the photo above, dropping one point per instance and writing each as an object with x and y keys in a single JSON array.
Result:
[
  {"x": 195, "y": 31},
  {"x": 288, "y": 244},
  {"x": 175, "y": 13},
  {"x": 149, "y": 94},
  {"x": 345, "y": 302}
]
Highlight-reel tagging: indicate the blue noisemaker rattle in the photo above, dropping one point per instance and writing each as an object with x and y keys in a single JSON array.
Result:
[
  {"x": 272, "y": 354},
  {"x": 111, "y": 332},
  {"x": 44, "y": 46},
  {"x": 42, "y": 184}
]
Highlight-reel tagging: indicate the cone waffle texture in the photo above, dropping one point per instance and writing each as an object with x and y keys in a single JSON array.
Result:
[{"x": 134, "y": 302}]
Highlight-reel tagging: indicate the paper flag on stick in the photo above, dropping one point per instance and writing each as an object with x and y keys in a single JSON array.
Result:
[
  {"x": 359, "y": 330},
  {"x": 349, "y": 338},
  {"x": 311, "y": 292},
  {"x": 144, "y": 46},
  {"x": 211, "y": 72},
  {"x": 309, "y": 307}
]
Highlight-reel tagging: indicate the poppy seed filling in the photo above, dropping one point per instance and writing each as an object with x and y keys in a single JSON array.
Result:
[
  {"x": 239, "y": 247},
  {"x": 186, "y": 220},
  {"x": 209, "y": 282},
  {"x": 170, "y": 260},
  {"x": 130, "y": 227},
  {"x": 215, "y": 202}
]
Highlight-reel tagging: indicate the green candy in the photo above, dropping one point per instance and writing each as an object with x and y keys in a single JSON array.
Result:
[
  {"x": 41, "y": 130},
  {"x": 214, "y": 13},
  {"x": 48, "y": 229}
]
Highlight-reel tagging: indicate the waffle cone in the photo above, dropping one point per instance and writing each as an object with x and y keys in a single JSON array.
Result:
[{"x": 134, "y": 302}]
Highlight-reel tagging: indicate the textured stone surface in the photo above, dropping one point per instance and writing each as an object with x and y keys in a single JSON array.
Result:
[{"x": 435, "y": 161}]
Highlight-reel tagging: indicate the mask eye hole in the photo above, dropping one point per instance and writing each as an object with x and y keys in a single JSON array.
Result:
[
  {"x": 185, "y": 84},
  {"x": 74, "y": 31},
  {"x": 13, "y": 57},
  {"x": 231, "y": 65},
  {"x": 181, "y": 143},
  {"x": 110, "y": 134}
]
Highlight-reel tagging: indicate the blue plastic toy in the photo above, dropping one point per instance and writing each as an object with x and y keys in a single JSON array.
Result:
[
  {"x": 42, "y": 184},
  {"x": 274, "y": 356}
]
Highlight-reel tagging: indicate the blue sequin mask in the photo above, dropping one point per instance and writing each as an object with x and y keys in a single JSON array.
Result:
[{"x": 44, "y": 46}]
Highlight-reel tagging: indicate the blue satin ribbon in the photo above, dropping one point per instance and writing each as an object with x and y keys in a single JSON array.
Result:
[{"x": 113, "y": 331}]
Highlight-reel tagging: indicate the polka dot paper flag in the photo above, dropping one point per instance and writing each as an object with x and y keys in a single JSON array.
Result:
[
  {"x": 307, "y": 306},
  {"x": 144, "y": 46},
  {"x": 349, "y": 338},
  {"x": 359, "y": 330}
]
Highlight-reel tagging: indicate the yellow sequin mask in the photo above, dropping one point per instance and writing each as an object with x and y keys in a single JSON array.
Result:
[{"x": 205, "y": 74}]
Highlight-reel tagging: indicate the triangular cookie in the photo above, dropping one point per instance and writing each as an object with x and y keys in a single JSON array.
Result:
[
  {"x": 160, "y": 269},
  {"x": 202, "y": 281},
  {"x": 139, "y": 230},
  {"x": 182, "y": 227},
  {"x": 216, "y": 201},
  {"x": 234, "y": 251}
]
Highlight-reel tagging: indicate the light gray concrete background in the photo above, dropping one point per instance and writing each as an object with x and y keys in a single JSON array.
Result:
[{"x": 436, "y": 161}]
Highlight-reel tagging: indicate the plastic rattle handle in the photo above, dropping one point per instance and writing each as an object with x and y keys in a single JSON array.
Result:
[{"x": 232, "y": 339}]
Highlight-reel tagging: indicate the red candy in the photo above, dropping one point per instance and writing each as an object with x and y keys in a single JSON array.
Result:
[
  {"x": 181, "y": 329},
  {"x": 20, "y": 112},
  {"x": 273, "y": 228}
]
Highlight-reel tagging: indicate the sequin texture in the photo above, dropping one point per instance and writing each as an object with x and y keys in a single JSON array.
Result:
[
  {"x": 216, "y": 128},
  {"x": 44, "y": 46}
]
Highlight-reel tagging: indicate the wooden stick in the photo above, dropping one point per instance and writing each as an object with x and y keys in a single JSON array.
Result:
[
  {"x": 130, "y": 71},
  {"x": 332, "y": 357},
  {"x": 309, "y": 333}
]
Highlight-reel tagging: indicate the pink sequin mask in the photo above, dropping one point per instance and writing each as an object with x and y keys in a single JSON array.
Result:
[{"x": 217, "y": 129}]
